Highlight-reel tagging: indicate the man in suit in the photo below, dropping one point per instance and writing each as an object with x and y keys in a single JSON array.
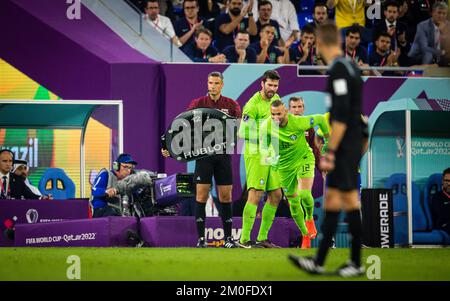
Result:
[
  {"x": 395, "y": 28},
  {"x": 11, "y": 185},
  {"x": 428, "y": 46}
]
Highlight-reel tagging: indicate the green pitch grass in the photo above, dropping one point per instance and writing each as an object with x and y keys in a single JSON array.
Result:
[{"x": 209, "y": 264}]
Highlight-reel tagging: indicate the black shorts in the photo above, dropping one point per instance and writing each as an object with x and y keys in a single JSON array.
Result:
[
  {"x": 218, "y": 166},
  {"x": 345, "y": 175}
]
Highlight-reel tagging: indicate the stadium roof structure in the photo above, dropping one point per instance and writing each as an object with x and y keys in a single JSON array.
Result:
[
  {"x": 401, "y": 120},
  {"x": 63, "y": 114}
]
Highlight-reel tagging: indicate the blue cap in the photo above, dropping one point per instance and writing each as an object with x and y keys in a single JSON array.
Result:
[{"x": 126, "y": 158}]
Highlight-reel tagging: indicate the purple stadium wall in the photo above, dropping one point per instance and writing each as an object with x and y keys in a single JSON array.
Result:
[{"x": 84, "y": 59}]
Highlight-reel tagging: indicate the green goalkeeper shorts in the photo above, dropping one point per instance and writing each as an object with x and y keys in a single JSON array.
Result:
[
  {"x": 260, "y": 176},
  {"x": 289, "y": 177}
]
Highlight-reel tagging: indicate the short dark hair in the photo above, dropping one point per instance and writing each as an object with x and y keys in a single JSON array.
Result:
[
  {"x": 295, "y": 98},
  {"x": 263, "y": 3},
  {"x": 277, "y": 103},
  {"x": 308, "y": 28},
  {"x": 153, "y": 1},
  {"x": 216, "y": 74},
  {"x": 196, "y": 2},
  {"x": 204, "y": 30},
  {"x": 446, "y": 172},
  {"x": 391, "y": 3},
  {"x": 328, "y": 33},
  {"x": 382, "y": 34},
  {"x": 271, "y": 74},
  {"x": 266, "y": 25},
  {"x": 355, "y": 28},
  {"x": 244, "y": 31},
  {"x": 319, "y": 4}
]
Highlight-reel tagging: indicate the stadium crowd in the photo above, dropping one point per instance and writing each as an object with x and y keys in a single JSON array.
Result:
[{"x": 389, "y": 33}]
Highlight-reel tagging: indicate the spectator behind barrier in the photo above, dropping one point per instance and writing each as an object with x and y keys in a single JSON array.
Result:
[
  {"x": 229, "y": 24},
  {"x": 186, "y": 27},
  {"x": 266, "y": 53},
  {"x": 431, "y": 36},
  {"x": 105, "y": 198},
  {"x": 352, "y": 48},
  {"x": 202, "y": 50},
  {"x": 440, "y": 204},
  {"x": 161, "y": 23},
  {"x": 284, "y": 13},
  {"x": 348, "y": 13},
  {"x": 383, "y": 56},
  {"x": 397, "y": 30},
  {"x": 320, "y": 14},
  {"x": 304, "y": 53},
  {"x": 240, "y": 52},
  {"x": 265, "y": 14}
]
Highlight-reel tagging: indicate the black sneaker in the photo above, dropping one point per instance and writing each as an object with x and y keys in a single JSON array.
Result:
[
  {"x": 306, "y": 264},
  {"x": 350, "y": 270},
  {"x": 333, "y": 243},
  {"x": 267, "y": 244},
  {"x": 250, "y": 244},
  {"x": 134, "y": 239},
  {"x": 231, "y": 244},
  {"x": 201, "y": 243}
]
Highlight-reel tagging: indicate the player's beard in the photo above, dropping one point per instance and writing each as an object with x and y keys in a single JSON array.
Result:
[
  {"x": 235, "y": 11},
  {"x": 269, "y": 94}
]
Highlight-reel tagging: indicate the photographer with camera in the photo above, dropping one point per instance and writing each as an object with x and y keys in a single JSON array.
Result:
[{"x": 105, "y": 198}]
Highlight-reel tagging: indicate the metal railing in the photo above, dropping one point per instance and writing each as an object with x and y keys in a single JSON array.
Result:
[
  {"x": 375, "y": 70},
  {"x": 136, "y": 9}
]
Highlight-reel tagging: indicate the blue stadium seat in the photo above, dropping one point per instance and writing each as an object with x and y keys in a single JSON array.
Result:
[
  {"x": 369, "y": 49},
  {"x": 55, "y": 181},
  {"x": 397, "y": 182},
  {"x": 304, "y": 18},
  {"x": 307, "y": 6},
  {"x": 421, "y": 232}
]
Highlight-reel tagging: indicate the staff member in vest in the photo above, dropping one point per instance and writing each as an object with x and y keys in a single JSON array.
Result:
[{"x": 105, "y": 198}]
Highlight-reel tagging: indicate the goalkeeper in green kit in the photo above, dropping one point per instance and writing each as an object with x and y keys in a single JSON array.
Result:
[
  {"x": 284, "y": 133},
  {"x": 261, "y": 175}
]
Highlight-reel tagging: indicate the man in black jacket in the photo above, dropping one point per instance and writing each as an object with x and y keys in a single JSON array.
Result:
[
  {"x": 397, "y": 30},
  {"x": 11, "y": 185},
  {"x": 440, "y": 205}
]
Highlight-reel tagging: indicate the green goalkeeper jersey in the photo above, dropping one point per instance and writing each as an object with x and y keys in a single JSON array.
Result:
[
  {"x": 289, "y": 142},
  {"x": 255, "y": 111}
]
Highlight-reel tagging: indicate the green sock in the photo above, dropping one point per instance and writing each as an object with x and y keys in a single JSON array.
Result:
[
  {"x": 307, "y": 201},
  {"x": 297, "y": 214},
  {"x": 268, "y": 215},
  {"x": 248, "y": 218}
]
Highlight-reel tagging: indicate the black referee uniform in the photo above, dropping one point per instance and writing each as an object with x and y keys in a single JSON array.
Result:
[{"x": 345, "y": 88}]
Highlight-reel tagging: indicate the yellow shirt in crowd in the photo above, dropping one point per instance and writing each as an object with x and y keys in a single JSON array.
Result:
[{"x": 349, "y": 12}]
